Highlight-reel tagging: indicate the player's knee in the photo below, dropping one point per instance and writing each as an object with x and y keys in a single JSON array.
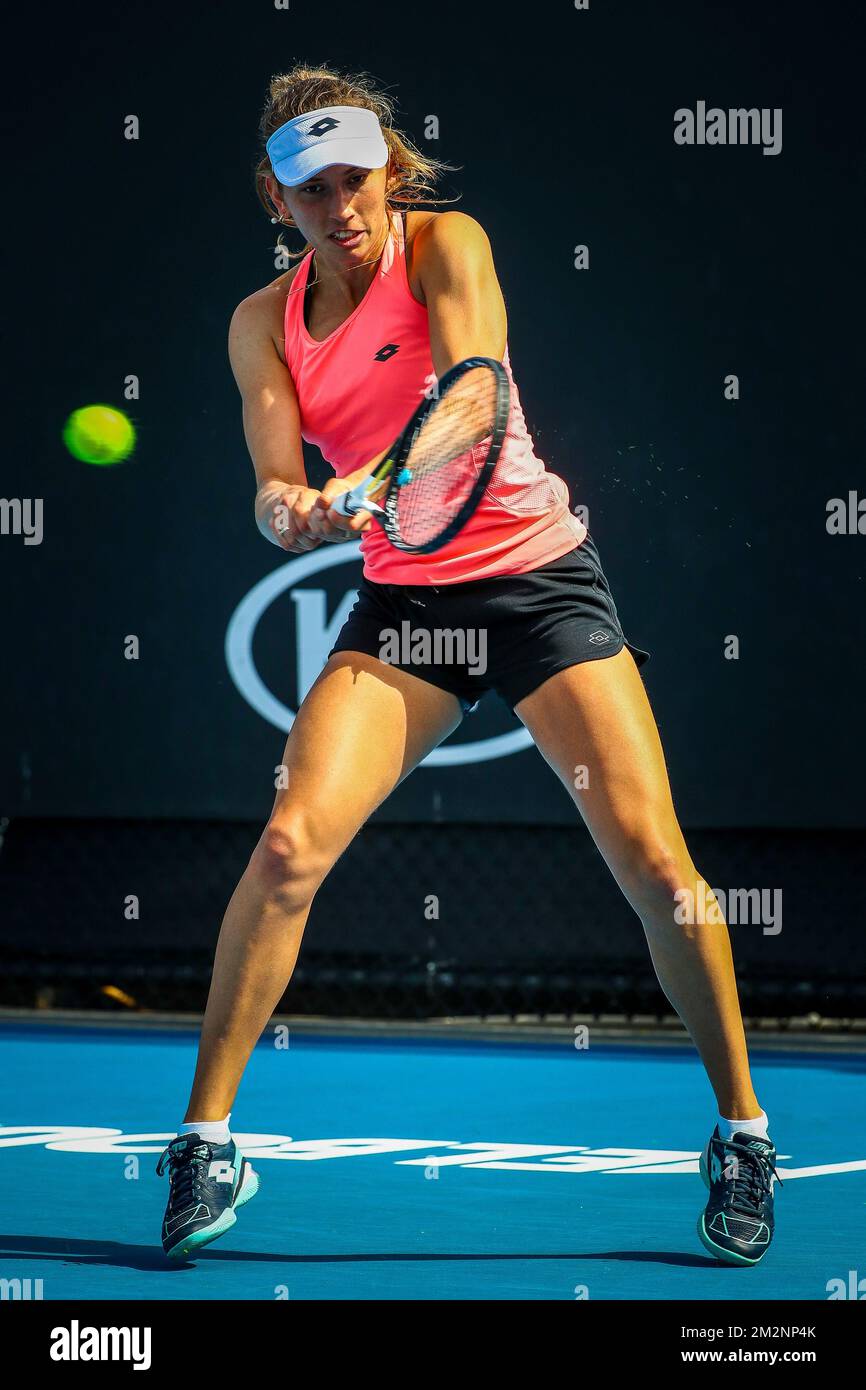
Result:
[
  {"x": 285, "y": 863},
  {"x": 656, "y": 870}
]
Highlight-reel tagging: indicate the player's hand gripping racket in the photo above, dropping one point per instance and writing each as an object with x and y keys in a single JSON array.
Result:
[{"x": 435, "y": 474}]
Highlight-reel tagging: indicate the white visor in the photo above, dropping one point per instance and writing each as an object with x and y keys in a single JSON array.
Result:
[{"x": 332, "y": 135}]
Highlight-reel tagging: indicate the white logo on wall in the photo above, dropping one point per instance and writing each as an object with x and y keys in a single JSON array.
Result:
[{"x": 314, "y": 637}]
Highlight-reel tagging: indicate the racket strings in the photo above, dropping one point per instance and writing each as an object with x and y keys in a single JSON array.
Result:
[{"x": 446, "y": 457}]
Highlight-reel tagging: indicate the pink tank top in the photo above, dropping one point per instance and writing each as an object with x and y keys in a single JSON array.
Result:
[{"x": 356, "y": 390}]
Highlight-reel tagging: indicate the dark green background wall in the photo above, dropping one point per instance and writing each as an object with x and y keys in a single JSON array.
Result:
[{"x": 129, "y": 257}]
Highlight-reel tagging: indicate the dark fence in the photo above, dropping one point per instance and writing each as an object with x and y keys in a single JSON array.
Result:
[{"x": 417, "y": 921}]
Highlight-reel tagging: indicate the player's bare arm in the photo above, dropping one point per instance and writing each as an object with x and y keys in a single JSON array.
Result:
[
  {"x": 288, "y": 511},
  {"x": 454, "y": 263}
]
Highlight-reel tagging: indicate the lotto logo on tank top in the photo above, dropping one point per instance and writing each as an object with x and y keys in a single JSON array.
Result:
[{"x": 385, "y": 352}]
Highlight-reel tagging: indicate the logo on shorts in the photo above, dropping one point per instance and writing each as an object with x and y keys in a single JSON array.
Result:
[{"x": 599, "y": 637}]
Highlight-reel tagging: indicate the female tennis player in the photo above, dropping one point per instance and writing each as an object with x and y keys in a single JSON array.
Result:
[{"x": 387, "y": 297}]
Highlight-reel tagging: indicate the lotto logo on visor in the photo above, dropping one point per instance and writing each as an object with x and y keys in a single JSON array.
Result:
[
  {"x": 332, "y": 135},
  {"x": 323, "y": 126}
]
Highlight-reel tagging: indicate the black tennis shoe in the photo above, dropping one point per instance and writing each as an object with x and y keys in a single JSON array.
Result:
[
  {"x": 737, "y": 1223},
  {"x": 207, "y": 1183}
]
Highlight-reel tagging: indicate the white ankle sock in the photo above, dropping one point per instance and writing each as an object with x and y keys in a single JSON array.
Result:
[
  {"x": 758, "y": 1127},
  {"x": 217, "y": 1131}
]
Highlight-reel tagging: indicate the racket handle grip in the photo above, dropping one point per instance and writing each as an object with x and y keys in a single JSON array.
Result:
[{"x": 356, "y": 500}]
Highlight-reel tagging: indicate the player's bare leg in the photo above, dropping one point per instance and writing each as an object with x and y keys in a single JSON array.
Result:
[
  {"x": 596, "y": 714},
  {"x": 360, "y": 731}
]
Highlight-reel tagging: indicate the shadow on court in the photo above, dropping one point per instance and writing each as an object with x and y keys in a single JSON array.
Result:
[{"x": 141, "y": 1257}]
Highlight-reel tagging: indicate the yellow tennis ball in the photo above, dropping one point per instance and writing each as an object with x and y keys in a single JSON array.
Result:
[{"x": 99, "y": 434}]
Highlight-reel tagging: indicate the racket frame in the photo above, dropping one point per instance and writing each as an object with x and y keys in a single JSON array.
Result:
[{"x": 385, "y": 510}]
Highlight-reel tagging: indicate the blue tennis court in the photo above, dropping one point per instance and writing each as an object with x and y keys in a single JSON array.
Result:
[{"x": 421, "y": 1168}]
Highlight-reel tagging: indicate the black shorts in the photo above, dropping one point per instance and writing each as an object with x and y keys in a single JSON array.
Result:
[{"x": 506, "y": 634}]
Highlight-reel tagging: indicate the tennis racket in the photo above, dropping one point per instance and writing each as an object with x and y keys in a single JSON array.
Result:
[{"x": 433, "y": 477}]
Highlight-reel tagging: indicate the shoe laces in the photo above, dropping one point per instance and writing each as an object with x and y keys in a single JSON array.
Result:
[
  {"x": 187, "y": 1171},
  {"x": 751, "y": 1182}
]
